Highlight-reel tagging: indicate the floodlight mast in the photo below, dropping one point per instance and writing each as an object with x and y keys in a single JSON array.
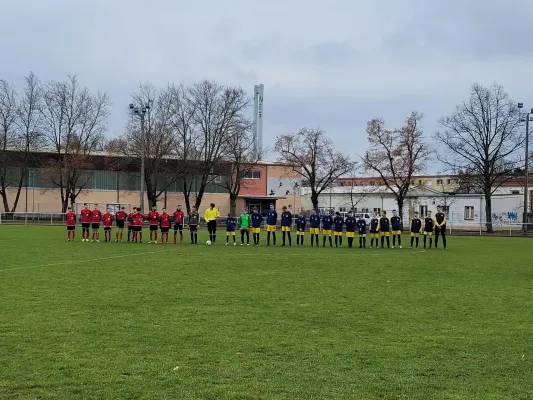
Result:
[{"x": 140, "y": 112}]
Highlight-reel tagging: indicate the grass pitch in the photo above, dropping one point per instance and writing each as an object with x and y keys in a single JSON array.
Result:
[{"x": 125, "y": 321}]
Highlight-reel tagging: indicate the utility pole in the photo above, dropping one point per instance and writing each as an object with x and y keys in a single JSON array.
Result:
[
  {"x": 526, "y": 167},
  {"x": 140, "y": 112}
]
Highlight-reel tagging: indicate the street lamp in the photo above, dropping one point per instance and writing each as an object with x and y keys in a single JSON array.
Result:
[
  {"x": 526, "y": 166},
  {"x": 141, "y": 112}
]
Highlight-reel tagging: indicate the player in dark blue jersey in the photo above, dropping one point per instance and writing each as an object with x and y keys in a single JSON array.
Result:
[
  {"x": 416, "y": 227},
  {"x": 300, "y": 229},
  {"x": 314, "y": 222},
  {"x": 350, "y": 223},
  {"x": 256, "y": 225},
  {"x": 231, "y": 224},
  {"x": 384, "y": 229},
  {"x": 440, "y": 227},
  {"x": 396, "y": 227},
  {"x": 429, "y": 224},
  {"x": 271, "y": 221},
  {"x": 374, "y": 231},
  {"x": 286, "y": 224},
  {"x": 339, "y": 222},
  {"x": 327, "y": 223},
  {"x": 361, "y": 228}
]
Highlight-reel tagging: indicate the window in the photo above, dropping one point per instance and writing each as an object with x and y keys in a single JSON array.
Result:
[
  {"x": 342, "y": 209},
  {"x": 365, "y": 210},
  {"x": 445, "y": 209},
  {"x": 469, "y": 212},
  {"x": 217, "y": 179},
  {"x": 420, "y": 182},
  {"x": 253, "y": 175},
  {"x": 321, "y": 210},
  {"x": 449, "y": 181},
  {"x": 372, "y": 183},
  {"x": 377, "y": 210},
  {"x": 515, "y": 191},
  {"x": 423, "y": 211},
  {"x": 429, "y": 183},
  {"x": 439, "y": 182}
]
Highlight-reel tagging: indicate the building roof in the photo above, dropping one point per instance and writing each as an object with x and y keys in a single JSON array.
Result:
[{"x": 414, "y": 191}]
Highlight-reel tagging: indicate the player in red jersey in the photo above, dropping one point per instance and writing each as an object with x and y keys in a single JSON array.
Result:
[
  {"x": 70, "y": 217},
  {"x": 85, "y": 222},
  {"x": 178, "y": 223},
  {"x": 138, "y": 219},
  {"x": 153, "y": 220},
  {"x": 108, "y": 222},
  {"x": 164, "y": 219},
  {"x": 131, "y": 223},
  {"x": 96, "y": 218},
  {"x": 120, "y": 217}
]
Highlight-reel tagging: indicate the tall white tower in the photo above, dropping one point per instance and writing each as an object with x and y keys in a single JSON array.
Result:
[{"x": 258, "y": 118}]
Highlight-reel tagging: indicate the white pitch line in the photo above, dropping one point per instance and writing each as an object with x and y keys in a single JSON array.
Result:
[{"x": 83, "y": 261}]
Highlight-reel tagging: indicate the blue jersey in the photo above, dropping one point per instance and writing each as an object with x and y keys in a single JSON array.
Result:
[
  {"x": 327, "y": 221},
  {"x": 286, "y": 218},
  {"x": 361, "y": 226},
  {"x": 272, "y": 217},
  {"x": 231, "y": 223},
  {"x": 300, "y": 223},
  {"x": 374, "y": 225},
  {"x": 396, "y": 223},
  {"x": 256, "y": 220},
  {"x": 314, "y": 220},
  {"x": 416, "y": 225},
  {"x": 350, "y": 224},
  {"x": 339, "y": 222}
]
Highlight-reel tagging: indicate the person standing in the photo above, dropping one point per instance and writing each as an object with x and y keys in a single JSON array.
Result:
[
  {"x": 327, "y": 222},
  {"x": 429, "y": 224},
  {"x": 85, "y": 222},
  {"x": 440, "y": 227},
  {"x": 314, "y": 222},
  {"x": 396, "y": 226},
  {"x": 71, "y": 224},
  {"x": 210, "y": 216},
  {"x": 416, "y": 227},
  {"x": 300, "y": 229},
  {"x": 339, "y": 222},
  {"x": 272, "y": 218},
  {"x": 257, "y": 218},
  {"x": 286, "y": 223},
  {"x": 194, "y": 221},
  {"x": 164, "y": 223},
  {"x": 244, "y": 226},
  {"x": 153, "y": 221},
  {"x": 108, "y": 223},
  {"x": 178, "y": 224},
  {"x": 231, "y": 224}
]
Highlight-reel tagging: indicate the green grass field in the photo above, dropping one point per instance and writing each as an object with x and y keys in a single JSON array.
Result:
[{"x": 184, "y": 322}]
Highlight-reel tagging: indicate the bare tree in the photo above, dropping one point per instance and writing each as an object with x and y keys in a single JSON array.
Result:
[
  {"x": 396, "y": 155},
  {"x": 8, "y": 136},
  {"x": 311, "y": 154},
  {"x": 483, "y": 136},
  {"x": 74, "y": 121},
  {"x": 219, "y": 112},
  {"x": 240, "y": 160}
]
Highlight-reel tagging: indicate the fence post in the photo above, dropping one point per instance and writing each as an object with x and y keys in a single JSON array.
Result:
[
  {"x": 25, "y": 218},
  {"x": 51, "y": 222}
]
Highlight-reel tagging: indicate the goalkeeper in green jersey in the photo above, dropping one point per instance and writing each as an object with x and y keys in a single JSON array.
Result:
[{"x": 244, "y": 225}]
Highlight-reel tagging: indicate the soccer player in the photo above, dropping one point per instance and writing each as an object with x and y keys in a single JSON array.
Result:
[
  {"x": 120, "y": 217},
  {"x": 374, "y": 230},
  {"x": 108, "y": 222},
  {"x": 244, "y": 226},
  {"x": 361, "y": 229},
  {"x": 178, "y": 223},
  {"x": 286, "y": 223},
  {"x": 131, "y": 224},
  {"x": 96, "y": 218},
  {"x": 70, "y": 217},
  {"x": 428, "y": 229},
  {"x": 396, "y": 226},
  {"x": 300, "y": 229},
  {"x": 384, "y": 228},
  {"x": 194, "y": 221},
  {"x": 256, "y": 225},
  {"x": 440, "y": 227},
  {"x": 85, "y": 222},
  {"x": 416, "y": 227},
  {"x": 339, "y": 222},
  {"x": 272, "y": 220},
  {"x": 327, "y": 222},
  {"x": 350, "y": 223},
  {"x": 153, "y": 221},
  {"x": 231, "y": 224},
  {"x": 210, "y": 216},
  {"x": 138, "y": 220},
  {"x": 164, "y": 223},
  {"x": 314, "y": 222}
]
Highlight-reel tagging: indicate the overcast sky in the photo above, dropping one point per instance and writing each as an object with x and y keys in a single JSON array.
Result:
[{"x": 334, "y": 64}]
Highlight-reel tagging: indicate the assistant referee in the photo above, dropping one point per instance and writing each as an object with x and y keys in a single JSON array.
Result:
[{"x": 210, "y": 216}]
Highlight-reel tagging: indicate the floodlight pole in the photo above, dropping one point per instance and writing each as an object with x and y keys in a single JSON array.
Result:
[
  {"x": 140, "y": 112},
  {"x": 526, "y": 169}
]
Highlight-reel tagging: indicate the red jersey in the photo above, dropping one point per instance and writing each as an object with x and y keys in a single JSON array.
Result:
[
  {"x": 138, "y": 219},
  {"x": 153, "y": 217},
  {"x": 165, "y": 220},
  {"x": 108, "y": 220},
  {"x": 121, "y": 215},
  {"x": 96, "y": 216},
  {"x": 71, "y": 218},
  {"x": 131, "y": 217},
  {"x": 178, "y": 217},
  {"x": 86, "y": 216}
]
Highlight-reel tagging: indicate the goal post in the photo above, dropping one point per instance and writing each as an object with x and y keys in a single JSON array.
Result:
[{"x": 103, "y": 207}]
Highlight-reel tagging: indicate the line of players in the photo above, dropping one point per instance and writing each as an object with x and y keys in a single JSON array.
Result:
[{"x": 380, "y": 227}]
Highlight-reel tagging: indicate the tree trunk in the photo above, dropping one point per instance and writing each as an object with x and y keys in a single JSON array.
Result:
[
  {"x": 4, "y": 199},
  {"x": 314, "y": 199},
  {"x": 187, "y": 197},
  {"x": 233, "y": 204},
  {"x": 199, "y": 195},
  {"x": 488, "y": 213},
  {"x": 19, "y": 189},
  {"x": 400, "y": 201}
]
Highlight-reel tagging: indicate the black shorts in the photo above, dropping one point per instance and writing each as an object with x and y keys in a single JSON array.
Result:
[
  {"x": 137, "y": 228},
  {"x": 178, "y": 227},
  {"x": 153, "y": 228},
  {"x": 164, "y": 229},
  {"x": 441, "y": 229},
  {"x": 212, "y": 226},
  {"x": 193, "y": 228},
  {"x": 95, "y": 226},
  {"x": 130, "y": 227},
  {"x": 107, "y": 228},
  {"x": 85, "y": 225},
  {"x": 71, "y": 228},
  {"x": 120, "y": 224}
]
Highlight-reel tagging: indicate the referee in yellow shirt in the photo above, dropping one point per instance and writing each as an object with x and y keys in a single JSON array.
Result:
[{"x": 210, "y": 216}]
